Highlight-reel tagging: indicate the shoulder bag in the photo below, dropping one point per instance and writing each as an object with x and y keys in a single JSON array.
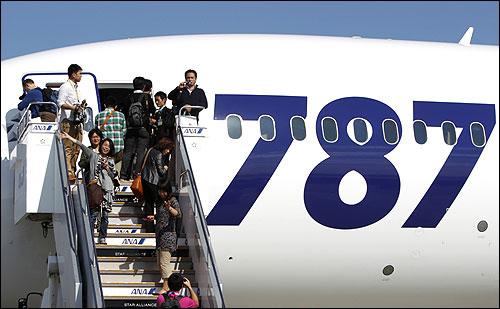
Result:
[{"x": 136, "y": 185}]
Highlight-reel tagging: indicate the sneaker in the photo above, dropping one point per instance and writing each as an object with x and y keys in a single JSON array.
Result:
[{"x": 102, "y": 241}]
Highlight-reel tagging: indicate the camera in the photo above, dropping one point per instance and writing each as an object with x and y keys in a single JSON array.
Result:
[{"x": 79, "y": 114}]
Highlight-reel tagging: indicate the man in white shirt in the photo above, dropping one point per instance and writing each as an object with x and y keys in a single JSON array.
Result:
[{"x": 69, "y": 101}]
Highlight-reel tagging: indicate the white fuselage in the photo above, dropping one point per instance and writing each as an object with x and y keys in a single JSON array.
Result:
[{"x": 279, "y": 254}]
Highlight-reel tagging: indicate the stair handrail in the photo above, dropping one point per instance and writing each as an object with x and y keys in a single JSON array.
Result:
[
  {"x": 70, "y": 217},
  {"x": 90, "y": 275},
  {"x": 26, "y": 117},
  {"x": 78, "y": 238},
  {"x": 198, "y": 209},
  {"x": 186, "y": 107}
]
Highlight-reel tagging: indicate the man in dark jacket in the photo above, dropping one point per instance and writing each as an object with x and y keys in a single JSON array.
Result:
[
  {"x": 188, "y": 93},
  {"x": 137, "y": 137},
  {"x": 32, "y": 94}
]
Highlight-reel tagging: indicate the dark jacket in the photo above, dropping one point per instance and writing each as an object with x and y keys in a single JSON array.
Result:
[
  {"x": 153, "y": 169},
  {"x": 165, "y": 123},
  {"x": 34, "y": 95},
  {"x": 180, "y": 98},
  {"x": 147, "y": 104}
]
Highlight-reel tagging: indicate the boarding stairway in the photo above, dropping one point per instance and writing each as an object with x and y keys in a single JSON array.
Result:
[
  {"x": 124, "y": 272},
  {"x": 128, "y": 267}
]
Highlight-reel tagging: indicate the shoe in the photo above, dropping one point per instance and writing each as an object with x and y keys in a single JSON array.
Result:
[{"x": 102, "y": 241}]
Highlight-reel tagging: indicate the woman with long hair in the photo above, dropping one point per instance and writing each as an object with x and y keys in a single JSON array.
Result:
[
  {"x": 102, "y": 171},
  {"x": 153, "y": 171}
]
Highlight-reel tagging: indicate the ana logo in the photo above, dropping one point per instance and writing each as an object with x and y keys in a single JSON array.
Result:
[
  {"x": 193, "y": 130},
  {"x": 126, "y": 231},
  {"x": 142, "y": 291},
  {"x": 42, "y": 127},
  {"x": 133, "y": 241}
]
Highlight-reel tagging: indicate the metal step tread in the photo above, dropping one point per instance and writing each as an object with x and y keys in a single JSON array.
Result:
[
  {"x": 141, "y": 271},
  {"x": 141, "y": 297},
  {"x": 140, "y": 284},
  {"x": 128, "y": 235},
  {"x": 124, "y": 226},
  {"x": 173, "y": 259},
  {"x": 101, "y": 246},
  {"x": 115, "y": 215}
]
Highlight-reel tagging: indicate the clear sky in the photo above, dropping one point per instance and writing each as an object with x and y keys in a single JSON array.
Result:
[{"x": 29, "y": 27}]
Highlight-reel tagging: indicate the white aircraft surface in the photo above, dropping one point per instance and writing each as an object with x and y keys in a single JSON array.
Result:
[{"x": 333, "y": 172}]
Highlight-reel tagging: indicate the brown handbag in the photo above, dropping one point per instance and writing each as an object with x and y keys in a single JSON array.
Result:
[
  {"x": 95, "y": 194},
  {"x": 136, "y": 185}
]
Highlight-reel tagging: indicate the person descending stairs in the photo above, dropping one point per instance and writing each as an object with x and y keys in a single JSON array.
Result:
[{"x": 128, "y": 267}]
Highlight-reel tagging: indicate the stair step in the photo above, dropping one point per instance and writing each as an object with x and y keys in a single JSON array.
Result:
[
  {"x": 125, "y": 219},
  {"x": 130, "y": 301},
  {"x": 144, "y": 263},
  {"x": 125, "y": 231},
  {"x": 127, "y": 208},
  {"x": 135, "y": 251},
  {"x": 138, "y": 275},
  {"x": 124, "y": 290},
  {"x": 127, "y": 199},
  {"x": 131, "y": 239},
  {"x": 127, "y": 235}
]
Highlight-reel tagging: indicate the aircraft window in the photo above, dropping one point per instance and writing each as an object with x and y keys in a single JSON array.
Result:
[
  {"x": 449, "y": 134},
  {"x": 267, "y": 128},
  {"x": 391, "y": 134},
  {"x": 482, "y": 226},
  {"x": 234, "y": 126},
  {"x": 298, "y": 128},
  {"x": 330, "y": 130},
  {"x": 360, "y": 130},
  {"x": 477, "y": 134},
  {"x": 420, "y": 131}
]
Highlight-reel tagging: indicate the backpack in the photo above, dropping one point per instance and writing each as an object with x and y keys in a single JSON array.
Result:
[
  {"x": 171, "y": 301},
  {"x": 49, "y": 95},
  {"x": 136, "y": 114}
]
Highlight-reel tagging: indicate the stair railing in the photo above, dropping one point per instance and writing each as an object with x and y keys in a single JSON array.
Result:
[{"x": 197, "y": 234}]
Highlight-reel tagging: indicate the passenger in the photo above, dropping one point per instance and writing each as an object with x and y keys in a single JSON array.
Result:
[
  {"x": 95, "y": 137},
  {"x": 173, "y": 297},
  {"x": 32, "y": 94},
  {"x": 154, "y": 169},
  {"x": 167, "y": 213},
  {"x": 188, "y": 93},
  {"x": 148, "y": 88},
  {"x": 163, "y": 120},
  {"x": 102, "y": 170},
  {"x": 69, "y": 101},
  {"x": 137, "y": 136},
  {"x": 112, "y": 124}
]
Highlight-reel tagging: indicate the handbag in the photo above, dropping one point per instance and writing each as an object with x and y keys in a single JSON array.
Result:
[
  {"x": 136, "y": 185},
  {"x": 95, "y": 194}
]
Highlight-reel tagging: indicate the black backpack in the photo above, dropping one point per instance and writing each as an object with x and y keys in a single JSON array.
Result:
[
  {"x": 49, "y": 95},
  {"x": 171, "y": 301},
  {"x": 136, "y": 114}
]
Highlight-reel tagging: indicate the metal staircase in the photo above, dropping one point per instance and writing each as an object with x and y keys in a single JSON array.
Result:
[{"x": 130, "y": 275}]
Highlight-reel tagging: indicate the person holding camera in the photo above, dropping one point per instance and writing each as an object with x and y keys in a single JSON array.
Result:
[
  {"x": 103, "y": 173},
  {"x": 72, "y": 110},
  {"x": 188, "y": 93},
  {"x": 173, "y": 299}
]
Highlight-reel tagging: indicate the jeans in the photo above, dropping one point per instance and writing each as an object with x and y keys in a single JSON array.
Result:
[
  {"x": 103, "y": 227},
  {"x": 136, "y": 142}
]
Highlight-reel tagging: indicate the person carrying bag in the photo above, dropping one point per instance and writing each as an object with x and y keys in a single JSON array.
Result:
[{"x": 136, "y": 185}]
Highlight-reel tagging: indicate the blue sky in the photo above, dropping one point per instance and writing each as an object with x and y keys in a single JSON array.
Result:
[{"x": 29, "y": 27}]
